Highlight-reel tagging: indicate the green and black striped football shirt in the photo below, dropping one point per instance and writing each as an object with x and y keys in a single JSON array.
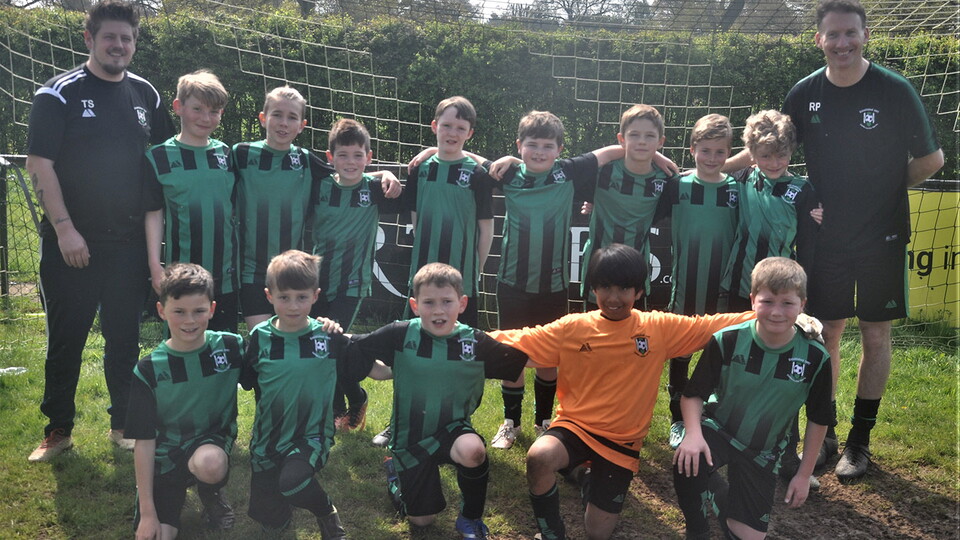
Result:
[
  {"x": 703, "y": 224},
  {"x": 437, "y": 381},
  {"x": 449, "y": 198},
  {"x": 274, "y": 194},
  {"x": 181, "y": 398},
  {"x": 345, "y": 234},
  {"x": 195, "y": 186},
  {"x": 536, "y": 231}
]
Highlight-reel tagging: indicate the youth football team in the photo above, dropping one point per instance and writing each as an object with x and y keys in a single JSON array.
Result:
[{"x": 271, "y": 230}]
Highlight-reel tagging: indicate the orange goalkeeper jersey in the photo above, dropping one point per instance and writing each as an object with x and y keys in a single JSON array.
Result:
[{"x": 609, "y": 371}]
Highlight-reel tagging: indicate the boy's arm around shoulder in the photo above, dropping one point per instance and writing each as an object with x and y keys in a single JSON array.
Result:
[
  {"x": 542, "y": 343},
  {"x": 607, "y": 154},
  {"x": 382, "y": 344},
  {"x": 686, "y": 335},
  {"x": 500, "y": 361}
]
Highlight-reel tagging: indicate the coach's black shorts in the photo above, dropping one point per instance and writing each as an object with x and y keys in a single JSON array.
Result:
[
  {"x": 870, "y": 284},
  {"x": 607, "y": 483},
  {"x": 420, "y": 488}
]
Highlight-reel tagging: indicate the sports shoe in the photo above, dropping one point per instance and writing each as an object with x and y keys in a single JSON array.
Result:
[
  {"x": 540, "y": 429},
  {"x": 52, "y": 446},
  {"x": 330, "y": 527},
  {"x": 506, "y": 435},
  {"x": 676, "y": 434},
  {"x": 827, "y": 450},
  {"x": 340, "y": 421},
  {"x": 217, "y": 514},
  {"x": 853, "y": 462},
  {"x": 789, "y": 463},
  {"x": 393, "y": 485},
  {"x": 357, "y": 416},
  {"x": 471, "y": 528},
  {"x": 382, "y": 438},
  {"x": 117, "y": 438}
]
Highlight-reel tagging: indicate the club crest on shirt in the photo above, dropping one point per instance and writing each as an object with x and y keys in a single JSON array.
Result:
[
  {"x": 733, "y": 197},
  {"x": 798, "y": 368},
  {"x": 220, "y": 362},
  {"x": 295, "y": 162},
  {"x": 869, "y": 118},
  {"x": 464, "y": 179},
  {"x": 365, "y": 199},
  {"x": 559, "y": 177},
  {"x": 321, "y": 346},
  {"x": 141, "y": 115},
  {"x": 221, "y": 161},
  {"x": 658, "y": 185},
  {"x": 790, "y": 196},
  {"x": 468, "y": 348},
  {"x": 643, "y": 345}
]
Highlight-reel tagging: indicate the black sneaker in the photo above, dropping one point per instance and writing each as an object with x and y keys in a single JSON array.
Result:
[
  {"x": 330, "y": 527},
  {"x": 789, "y": 463},
  {"x": 827, "y": 450},
  {"x": 853, "y": 463},
  {"x": 217, "y": 514}
]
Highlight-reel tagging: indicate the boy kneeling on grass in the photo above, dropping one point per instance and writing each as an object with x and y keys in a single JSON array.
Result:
[
  {"x": 293, "y": 363},
  {"x": 183, "y": 409},
  {"x": 439, "y": 366},
  {"x": 740, "y": 403}
]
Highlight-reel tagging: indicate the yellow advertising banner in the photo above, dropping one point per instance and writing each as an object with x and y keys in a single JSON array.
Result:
[{"x": 934, "y": 256}]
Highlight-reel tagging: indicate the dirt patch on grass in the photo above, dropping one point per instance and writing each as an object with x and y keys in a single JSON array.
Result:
[{"x": 883, "y": 504}]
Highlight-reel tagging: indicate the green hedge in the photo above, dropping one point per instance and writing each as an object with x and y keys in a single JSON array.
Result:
[{"x": 502, "y": 71}]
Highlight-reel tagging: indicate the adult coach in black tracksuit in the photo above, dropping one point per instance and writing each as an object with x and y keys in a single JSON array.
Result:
[{"x": 89, "y": 128}]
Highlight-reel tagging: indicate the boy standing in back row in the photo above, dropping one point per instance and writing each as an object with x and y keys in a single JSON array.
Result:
[
  {"x": 703, "y": 207},
  {"x": 347, "y": 207},
  {"x": 628, "y": 191},
  {"x": 534, "y": 272},
  {"x": 450, "y": 197},
  {"x": 189, "y": 195}
]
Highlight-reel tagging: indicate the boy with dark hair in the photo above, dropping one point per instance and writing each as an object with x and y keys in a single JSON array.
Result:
[
  {"x": 183, "y": 409},
  {"x": 534, "y": 272},
  {"x": 450, "y": 197},
  {"x": 346, "y": 209},
  {"x": 277, "y": 184},
  {"x": 439, "y": 366},
  {"x": 600, "y": 419},
  {"x": 189, "y": 195},
  {"x": 743, "y": 397},
  {"x": 293, "y": 363},
  {"x": 703, "y": 207}
]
